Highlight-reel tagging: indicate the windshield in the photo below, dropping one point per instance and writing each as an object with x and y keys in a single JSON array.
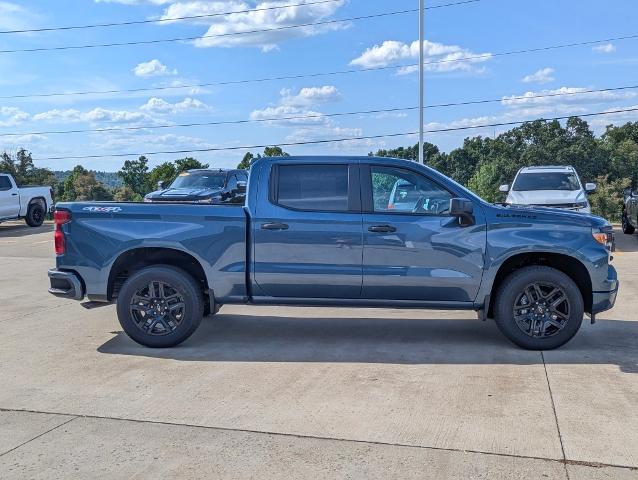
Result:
[
  {"x": 199, "y": 180},
  {"x": 546, "y": 181}
]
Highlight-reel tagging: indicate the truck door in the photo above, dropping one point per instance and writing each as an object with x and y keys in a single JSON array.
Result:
[
  {"x": 307, "y": 231},
  {"x": 413, "y": 250},
  {"x": 9, "y": 198}
]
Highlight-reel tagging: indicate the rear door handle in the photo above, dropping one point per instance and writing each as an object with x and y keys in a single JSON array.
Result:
[
  {"x": 382, "y": 229},
  {"x": 274, "y": 226}
]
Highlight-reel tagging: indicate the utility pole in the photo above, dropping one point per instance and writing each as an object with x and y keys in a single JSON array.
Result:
[{"x": 421, "y": 28}]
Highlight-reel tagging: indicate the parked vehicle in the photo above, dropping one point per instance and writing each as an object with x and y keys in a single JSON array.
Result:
[
  {"x": 558, "y": 187},
  {"x": 30, "y": 203},
  {"x": 203, "y": 186},
  {"x": 629, "y": 212},
  {"x": 318, "y": 231}
]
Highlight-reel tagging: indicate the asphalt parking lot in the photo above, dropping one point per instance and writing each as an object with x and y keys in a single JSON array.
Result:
[{"x": 307, "y": 393}]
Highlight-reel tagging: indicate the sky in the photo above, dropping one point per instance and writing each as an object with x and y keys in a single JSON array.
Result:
[{"x": 216, "y": 53}]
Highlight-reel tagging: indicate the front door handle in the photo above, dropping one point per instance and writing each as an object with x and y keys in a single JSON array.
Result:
[
  {"x": 14, "y": 194},
  {"x": 382, "y": 229},
  {"x": 274, "y": 226}
]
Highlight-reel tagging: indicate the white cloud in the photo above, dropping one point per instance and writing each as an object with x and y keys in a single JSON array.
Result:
[
  {"x": 135, "y": 2},
  {"x": 16, "y": 17},
  {"x": 310, "y": 117},
  {"x": 310, "y": 96},
  {"x": 297, "y": 104},
  {"x": 544, "y": 75},
  {"x": 605, "y": 48},
  {"x": 438, "y": 57},
  {"x": 159, "y": 105},
  {"x": 309, "y": 134},
  {"x": 96, "y": 115},
  {"x": 153, "y": 68},
  {"x": 564, "y": 95},
  {"x": 222, "y": 29},
  {"x": 10, "y": 116}
]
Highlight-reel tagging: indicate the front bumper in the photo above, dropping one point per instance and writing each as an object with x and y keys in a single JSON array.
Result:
[
  {"x": 605, "y": 299},
  {"x": 66, "y": 284}
]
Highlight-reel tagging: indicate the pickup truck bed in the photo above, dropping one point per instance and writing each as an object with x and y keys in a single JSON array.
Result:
[{"x": 359, "y": 231}]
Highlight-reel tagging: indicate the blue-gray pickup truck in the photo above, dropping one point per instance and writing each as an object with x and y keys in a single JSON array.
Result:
[{"x": 338, "y": 231}]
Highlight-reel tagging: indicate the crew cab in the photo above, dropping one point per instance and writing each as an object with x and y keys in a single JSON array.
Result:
[
  {"x": 30, "y": 203},
  {"x": 319, "y": 231},
  {"x": 203, "y": 186}
]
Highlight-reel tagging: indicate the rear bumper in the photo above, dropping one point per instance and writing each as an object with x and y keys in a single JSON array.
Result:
[
  {"x": 604, "y": 300},
  {"x": 66, "y": 284}
]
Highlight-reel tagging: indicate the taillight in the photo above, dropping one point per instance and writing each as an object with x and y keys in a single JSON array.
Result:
[{"x": 60, "y": 217}]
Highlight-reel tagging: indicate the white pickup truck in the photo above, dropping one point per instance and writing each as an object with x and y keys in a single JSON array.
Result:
[{"x": 30, "y": 203}]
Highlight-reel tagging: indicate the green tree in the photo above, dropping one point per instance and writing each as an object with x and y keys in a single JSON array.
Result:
[
  {"x": 126, "y": 194},
  {"x": 164, "y": 172},
  {"x": 246, "y": 161},
  {"x": 608, "y": 199},
  {"x": 135, "y": 175},
  {"x": 484, "y": 180},
  {"x": 21, "y": 167},
  {"x": 274, "y": 152},
  {"x": 81, "y": 185},
  {"x": 188, "y": 163}
]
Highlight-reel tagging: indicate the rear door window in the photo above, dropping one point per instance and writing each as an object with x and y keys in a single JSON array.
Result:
[{"x": 312, "y": 187}]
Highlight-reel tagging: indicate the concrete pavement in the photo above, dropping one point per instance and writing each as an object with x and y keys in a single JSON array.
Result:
[{"x": 307, "y": 393}]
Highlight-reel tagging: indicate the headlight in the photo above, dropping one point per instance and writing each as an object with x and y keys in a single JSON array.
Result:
[
  {"x": 604, "y": 236},
  {"x": 147, "y": 200},
  {"x": 205, "y": 200}
]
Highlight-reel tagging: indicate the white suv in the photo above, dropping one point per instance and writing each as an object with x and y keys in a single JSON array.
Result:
[{"x": 558, "y": 187}]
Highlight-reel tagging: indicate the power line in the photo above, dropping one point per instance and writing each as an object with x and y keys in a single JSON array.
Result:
[
  {"x": 219, "y": 35},
  {"x": 334, "y": 140},
  {"x": 324, "y": 115},
  {"x": 315, "y": 74},
  {"x": 193, "y": 17},
  {"x": 209, "y": 84},
  {"x": 161, "y": 20}
]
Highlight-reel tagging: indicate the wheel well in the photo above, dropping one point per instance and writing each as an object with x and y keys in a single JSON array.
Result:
[
  {"x": 134, "y": 260},
  {"x": 570, "y": 266},
  {"x": 38, "y": 200}
]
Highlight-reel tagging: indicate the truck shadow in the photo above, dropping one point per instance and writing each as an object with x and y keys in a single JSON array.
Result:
[
  {"x": 15, "y": 230},
  {"x": 244, "y": 338}
]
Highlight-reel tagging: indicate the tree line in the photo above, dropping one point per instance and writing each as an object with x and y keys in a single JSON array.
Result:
[
  {"x": 481, "y": 163},
  {"x": 484, "y": 163}
]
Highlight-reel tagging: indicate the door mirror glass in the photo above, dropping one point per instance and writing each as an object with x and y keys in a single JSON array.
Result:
[
  {"x": 241, "y": 187},
  {"x": 590, "y": 187},
  {"x": 504, "y": 188}
]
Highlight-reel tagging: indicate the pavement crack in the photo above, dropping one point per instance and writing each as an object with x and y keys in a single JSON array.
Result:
[
  {"x": 551, "y": 397},
  {"x": 37, "y": 436},
  {"x": 333, "y": 439}
]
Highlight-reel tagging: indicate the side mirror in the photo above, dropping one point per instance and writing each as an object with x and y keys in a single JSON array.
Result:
[
  {"x": 504, "y": 188},
  {"x": 241, "y": 187},
  {"x": 463, "y": 209},
  {"x": 590, "y": 187},
  {"x": 161, "y": 185}
]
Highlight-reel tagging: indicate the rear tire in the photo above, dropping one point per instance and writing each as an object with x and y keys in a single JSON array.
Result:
[
  {"x": 538, "y": 308},
  {"x": 35, "y": 215},
  {"x": 627, "y": 227},
  {"x": 160, "y": 306}
]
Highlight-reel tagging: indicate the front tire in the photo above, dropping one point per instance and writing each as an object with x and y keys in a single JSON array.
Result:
[
  {"x": 627, "y": 227},
  {"x": 35, "y": 215},
  {"x": 160, "y": 306},
  {"x": 538, "y": 308}
]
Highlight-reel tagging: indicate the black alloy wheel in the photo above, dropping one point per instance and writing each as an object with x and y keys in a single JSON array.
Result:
[{"x": 541, "y": 309}]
